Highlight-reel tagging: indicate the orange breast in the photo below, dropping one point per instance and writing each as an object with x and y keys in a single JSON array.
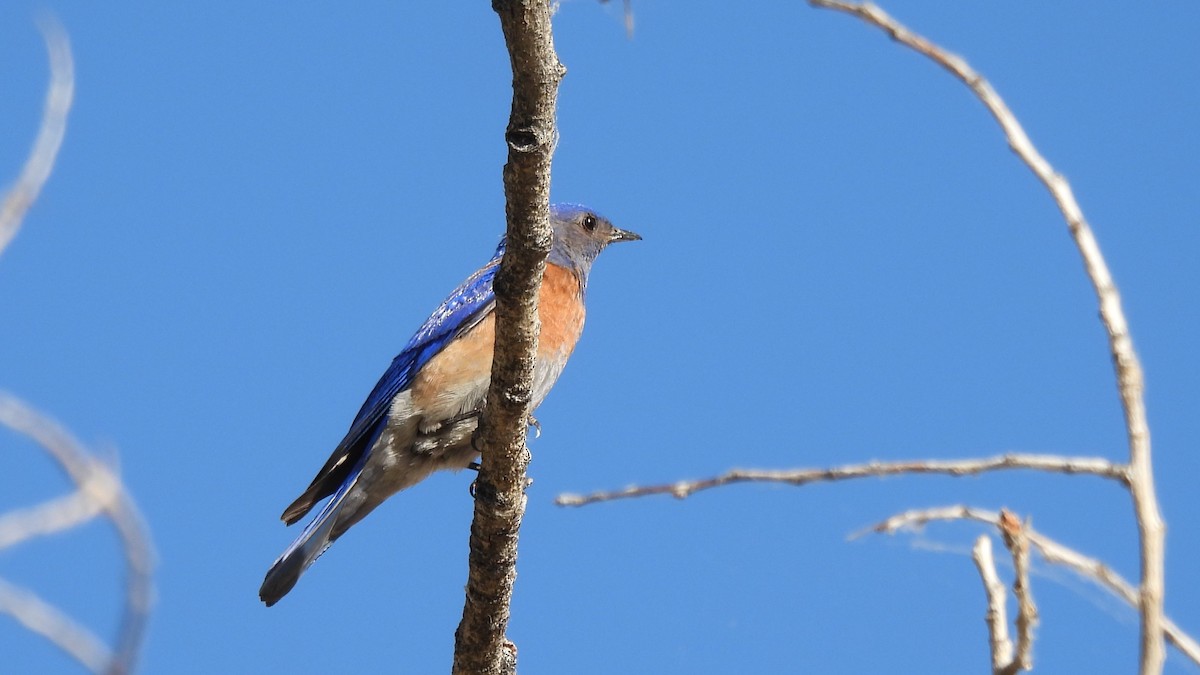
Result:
[
  {"x": 560, "y": 308},
  {"x": 457, "y": 377}
]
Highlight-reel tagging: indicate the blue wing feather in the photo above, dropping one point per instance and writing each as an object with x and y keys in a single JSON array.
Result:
[{"x": 466, "y": 306}]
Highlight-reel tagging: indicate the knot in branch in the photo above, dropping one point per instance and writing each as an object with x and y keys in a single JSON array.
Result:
[{"x": 528, "y": 139}]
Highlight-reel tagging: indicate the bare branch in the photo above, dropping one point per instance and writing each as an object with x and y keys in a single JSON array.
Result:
[
  {"x": 53, "y": 516},
  {"x": 1129, "y": 375},
  {"x": 918, "y": 518},
  {"x": 480, "y": 643},
  {"x": 1095, "y": 466},
  {"x": 50, "y": 137},
  {"x": 98, "y": 487},
  {"x": 997, "y": 616},
  {"x": 61, "y": 630},
  {"x": 1050, "y": 550},
  {"x": 1017, "y": 544},
  {"x": 628, "y": 15},
  {"x": 1102, "y": 574},
  {"x": 104, "y": 488}
]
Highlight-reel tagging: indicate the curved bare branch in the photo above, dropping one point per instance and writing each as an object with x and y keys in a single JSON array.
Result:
[
  {"x": 101, "y": 485},
  {"x": 1050, "y": 550},
  {"x": 1129, "y": 374},
  {"x": 50, "y": 137},
  {"x": 49, "y": 517},
  {"x": 42, "y": 618}
]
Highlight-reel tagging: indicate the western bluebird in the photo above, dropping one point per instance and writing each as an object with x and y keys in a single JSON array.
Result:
[{"x": 424, "y": 410}]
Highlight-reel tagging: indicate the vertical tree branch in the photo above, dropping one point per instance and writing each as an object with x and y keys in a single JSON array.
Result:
[
  {"x": 1017, "y": 543},
  {"x": 997, "y": 616},
  {"x": 1129, "y": 375},
  {"x": 480, "y": 644}
]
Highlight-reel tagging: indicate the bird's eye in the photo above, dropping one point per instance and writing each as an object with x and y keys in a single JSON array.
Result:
[{"x": 589, "y": 223}]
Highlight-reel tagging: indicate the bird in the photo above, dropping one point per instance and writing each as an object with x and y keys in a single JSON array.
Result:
[{"x": 422, "y": 414}]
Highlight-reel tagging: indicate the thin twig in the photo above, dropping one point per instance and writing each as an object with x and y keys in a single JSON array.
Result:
[
  {"x": 1050, "y": 550},
  {"x": 1095, "y": 466},
  {"x": 50, "y": 136},
  {"x": 52, "y": 516},
  {"x": 997, "y": 616},
  {"x": 1129, "y": 374},
  {"x": 918, "y": 518},
  {"x": 1053, "y": 552},
  {"x": 627, "y": 10},
  {"x": 102, "y": 485},
  {"x": 62, "y": 631},
  {"x": 1017, "y": 543}
]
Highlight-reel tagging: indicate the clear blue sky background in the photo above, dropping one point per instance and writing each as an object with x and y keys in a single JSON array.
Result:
[{"x": 257, "y": 203}]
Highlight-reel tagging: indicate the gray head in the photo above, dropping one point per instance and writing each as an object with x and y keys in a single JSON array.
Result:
[{"x": 579, "y": 235}]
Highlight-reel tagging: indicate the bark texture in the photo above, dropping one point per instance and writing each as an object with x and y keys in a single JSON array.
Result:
[{"x": 480, "y": 643}]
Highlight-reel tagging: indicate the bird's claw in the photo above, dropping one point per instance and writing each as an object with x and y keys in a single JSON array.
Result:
[{"x": 473, "y": 466}]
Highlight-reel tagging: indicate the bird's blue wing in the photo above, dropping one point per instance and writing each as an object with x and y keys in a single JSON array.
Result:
[{"x": 466, "y": 306}]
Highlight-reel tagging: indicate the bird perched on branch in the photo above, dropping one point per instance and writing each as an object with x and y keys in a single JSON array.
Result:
[{"x": 424, "y": 410}]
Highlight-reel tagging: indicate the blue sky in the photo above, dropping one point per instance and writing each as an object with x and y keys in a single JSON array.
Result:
[{"x": 257, "y": 203}]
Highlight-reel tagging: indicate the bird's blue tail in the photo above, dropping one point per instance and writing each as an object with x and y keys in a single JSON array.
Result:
[{"x": 309, "y": 546}]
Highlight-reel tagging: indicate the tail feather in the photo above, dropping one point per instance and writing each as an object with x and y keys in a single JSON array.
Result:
[
  {"x": 309, "y": 546},
  {"x": 342, "y": 465},
  {"x": 303, "y": 504}
]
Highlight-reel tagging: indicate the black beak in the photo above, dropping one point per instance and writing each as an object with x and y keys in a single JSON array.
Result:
[{"x": 623, "y": 235}]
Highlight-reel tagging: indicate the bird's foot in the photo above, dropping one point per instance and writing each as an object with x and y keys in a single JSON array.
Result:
[{"x": 473, "y": 466}]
